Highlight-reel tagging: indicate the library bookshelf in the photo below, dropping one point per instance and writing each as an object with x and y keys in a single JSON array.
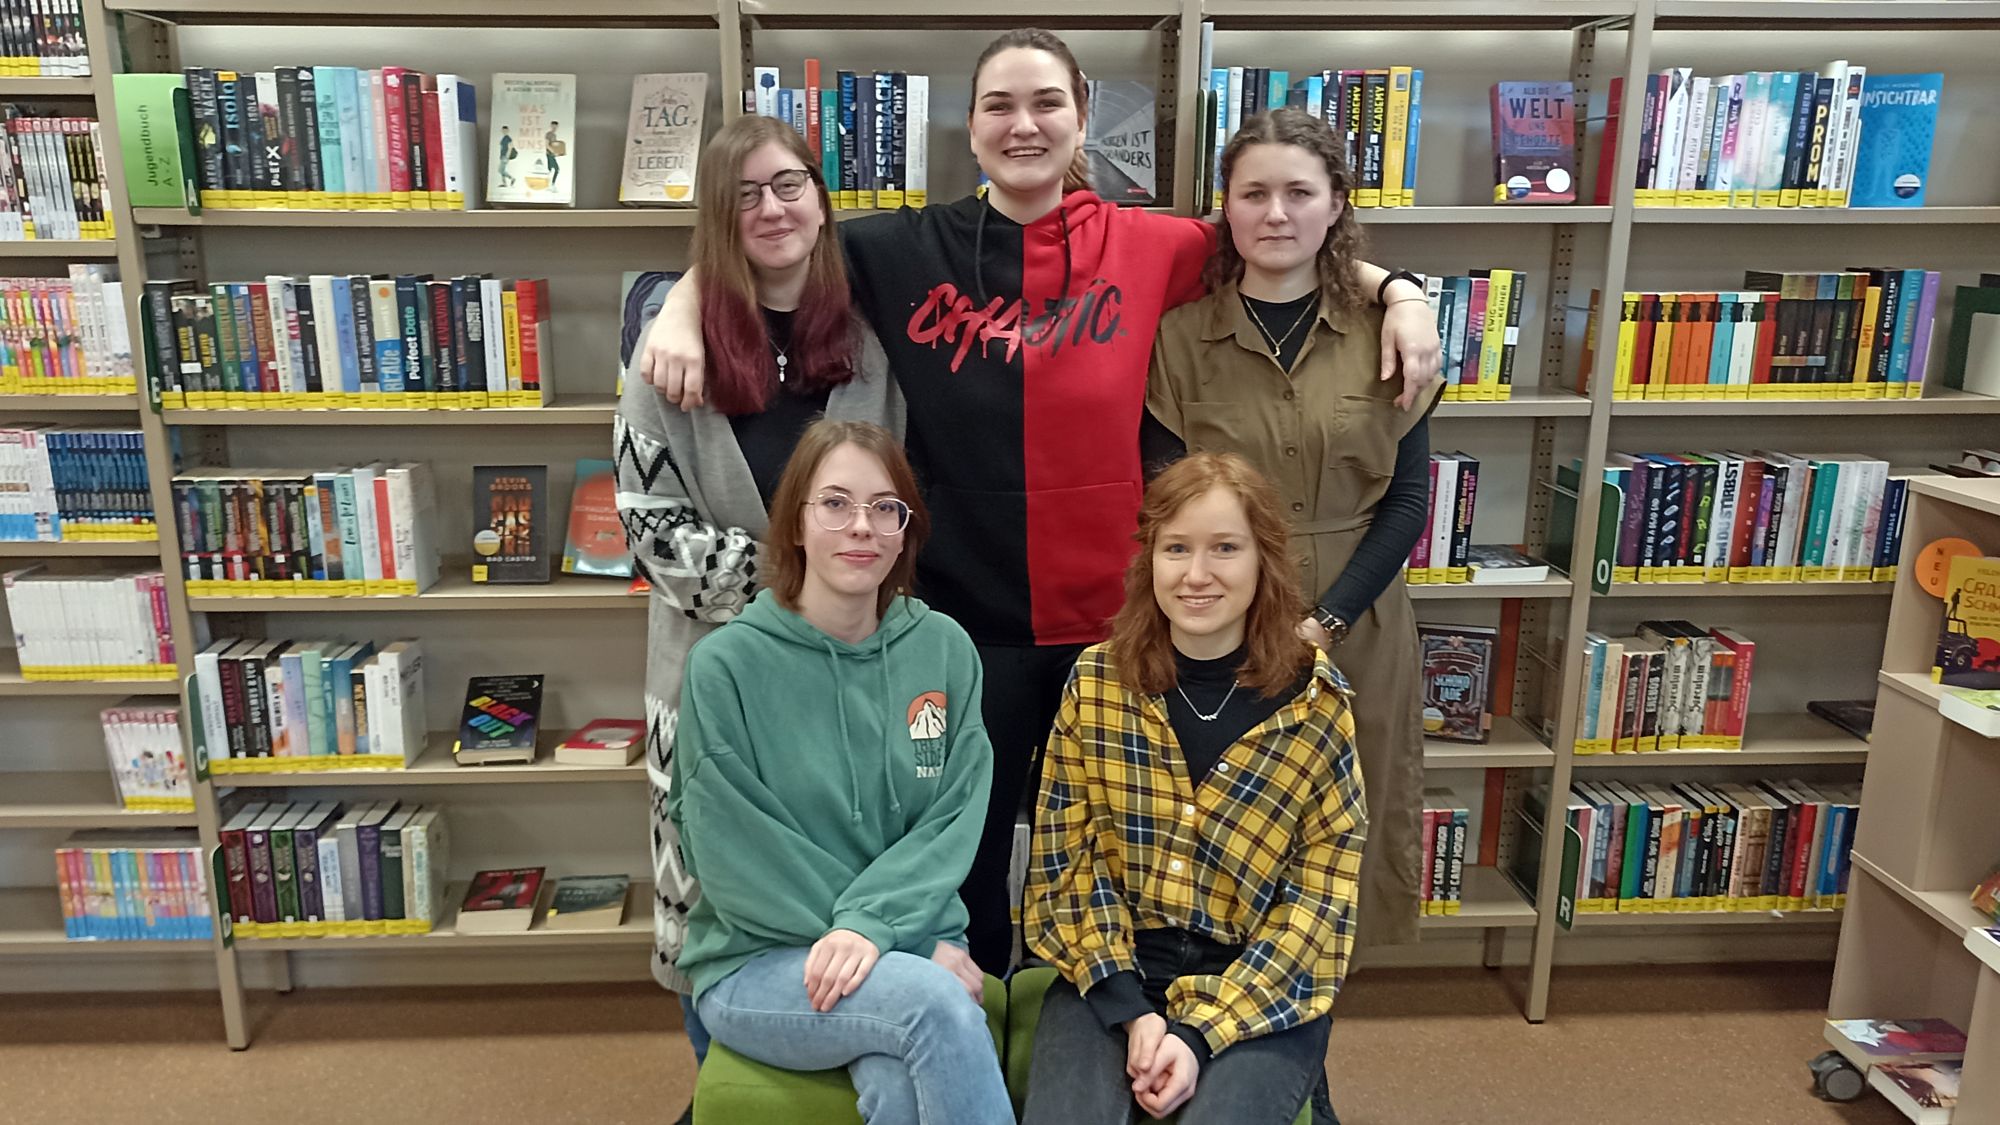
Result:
[{"x": 594, "y": 626}]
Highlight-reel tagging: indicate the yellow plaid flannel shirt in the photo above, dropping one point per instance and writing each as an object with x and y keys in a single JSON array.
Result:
[{"x": 1265, "y": 854}]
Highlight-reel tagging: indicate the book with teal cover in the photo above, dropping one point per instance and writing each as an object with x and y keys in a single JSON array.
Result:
[{"x": 1898, "y": 121}]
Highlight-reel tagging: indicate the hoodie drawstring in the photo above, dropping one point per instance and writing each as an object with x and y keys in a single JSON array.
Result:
[
  {"x": 889, "y": 729},
  {"x": 846, "y": 751}
]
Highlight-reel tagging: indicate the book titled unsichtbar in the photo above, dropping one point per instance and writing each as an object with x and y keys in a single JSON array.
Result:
[{"x": 663, "y": 138}]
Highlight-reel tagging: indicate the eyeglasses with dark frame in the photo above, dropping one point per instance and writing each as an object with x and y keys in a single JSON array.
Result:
[
  {"x": 834, "y": 511},
  {"x": 787, "y": 185}
]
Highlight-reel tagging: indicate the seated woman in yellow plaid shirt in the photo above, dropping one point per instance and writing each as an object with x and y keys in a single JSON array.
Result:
[{"x": 1199, "y": 829}]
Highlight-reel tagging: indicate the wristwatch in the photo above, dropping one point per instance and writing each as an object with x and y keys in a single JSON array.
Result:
[
  {"x": 1382, "y": 290},
  {"x": 1335, "y": 628}
]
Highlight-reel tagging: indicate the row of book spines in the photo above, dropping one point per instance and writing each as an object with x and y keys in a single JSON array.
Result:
[
  {"x": 337, "y": 532},
  {"x": 1794, "y": 137},
  {"x": 295, "y": 870},
  {"x": 413, "y": 137},
  {"x": 1378, "y": 113},
  {"x": 221, "y": 349},
  {"x": 1673, "y": 686},
  {"x": 132, "y": 894},
  {"x": 55, "y": 186},
  {"x": 65, "y": 332},
  {"x": 43, "y": 39},
  {"x": 310, "y": 700},
  {"x": 1804, "y": 524},
  {"x": 91, "y": 626},
  {"x": 1479, "y": 322},
  {"x": 1805, "y": 837},
  {"x": 1444, "y": 860},
  {"x": 298, "y": 587},
  {"x": 148, "y": 764},
  {"x": 873, "y": 155},
  {"x": 308, "y": 765},
  {"x": 333, "y": 400},
  {"x": 1441, "y": 554},
  {"x": 53, "y": 476}
]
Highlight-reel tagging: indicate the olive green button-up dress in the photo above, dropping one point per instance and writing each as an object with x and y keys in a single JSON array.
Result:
[{"x": 1326, "y": 435}]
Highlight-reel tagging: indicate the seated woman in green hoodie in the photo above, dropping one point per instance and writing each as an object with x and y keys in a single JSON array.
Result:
[{"x": 830, "y": 778}]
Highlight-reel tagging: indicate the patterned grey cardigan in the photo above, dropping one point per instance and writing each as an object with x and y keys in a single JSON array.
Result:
[{"x": 693, "y": 520}]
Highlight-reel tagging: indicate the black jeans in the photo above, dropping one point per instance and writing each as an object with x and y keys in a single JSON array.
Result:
[
  {"x": 1023, "y": 687},
  {"x": 1078, "y": 1073}
]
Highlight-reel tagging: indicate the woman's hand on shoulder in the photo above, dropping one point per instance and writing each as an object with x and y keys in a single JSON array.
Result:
[
  {"x": 1410, "y": 344},
  {"x": 837, "y": 965},
  {"x": 672, "y": 359}
]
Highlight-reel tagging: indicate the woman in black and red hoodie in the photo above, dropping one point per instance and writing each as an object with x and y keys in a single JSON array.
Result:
[{"x": 1019, "y": 327}]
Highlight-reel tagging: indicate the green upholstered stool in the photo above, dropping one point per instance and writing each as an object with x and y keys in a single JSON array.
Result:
[
  {"x": 734, "y": 1090},
  {"x": 1024, "y": 1012}
]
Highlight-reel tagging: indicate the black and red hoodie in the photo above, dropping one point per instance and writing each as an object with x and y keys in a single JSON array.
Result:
[{"x": 1022, "y": 354}]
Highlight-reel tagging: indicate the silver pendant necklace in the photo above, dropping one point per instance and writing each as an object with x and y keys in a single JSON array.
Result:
[
  {"x": 1210, "y": 717},
  {"x": 782, "y": 361}
]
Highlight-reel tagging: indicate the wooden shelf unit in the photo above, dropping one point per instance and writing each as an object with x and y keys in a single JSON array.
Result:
[{"x": 75, "y": 800}]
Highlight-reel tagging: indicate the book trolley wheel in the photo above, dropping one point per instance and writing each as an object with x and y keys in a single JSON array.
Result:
[{"x": 1835, "y": 1079}]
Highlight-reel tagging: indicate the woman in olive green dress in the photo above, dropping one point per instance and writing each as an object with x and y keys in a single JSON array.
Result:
[{"x": 1279, "y": 363}]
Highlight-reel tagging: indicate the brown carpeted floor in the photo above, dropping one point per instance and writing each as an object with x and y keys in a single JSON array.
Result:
[{"x": 1628, "y": 1046}]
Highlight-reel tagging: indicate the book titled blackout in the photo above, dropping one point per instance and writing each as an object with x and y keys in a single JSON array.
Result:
[
  {"x": 499, "y": 722},
  {"x": 510, "y": 539}
]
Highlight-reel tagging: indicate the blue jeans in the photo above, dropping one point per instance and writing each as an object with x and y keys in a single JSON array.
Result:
[
  {"x": 697, "y": 1033},
  {"x": 915, "y": 1044}
]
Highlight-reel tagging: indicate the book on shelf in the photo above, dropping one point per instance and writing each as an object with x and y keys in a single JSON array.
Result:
[
  {"x": 66, "y": 335},
  {"x": 156, "y": 134},
  {"x": 1440, "y": 556},
  {"x": 641, "y": 294},
  {"x": 1968, "y": 648},
  {"x": 1447, "y": 826},
  {"x": 1479, "y": 320},
  {"x": 595, "y": 543},
  {"x": 587, "y": 902},
  {"x": 1534, "y": 142},
  {"x": 74, "y": 484},
  {"x": 104, "y": 626},
  {"x": 1499, "y": 565},
  {"x": 510, "y": 543},
  {"x": 1672, "y": 685},
  {"x": 335, "y": 138},
  {"x": 369, "y": 530},
  {"x": 1867, "y": 1043},
  {"x": 1457, "y": 681},
  {"x": 1925, "y": 1092},
  {"x": 149, "y": 767},
  {"x": 1855, "y": 716},
  {"x": 1856, "y": 334},
  {"x": 1762, "y": 516},
  {"x": 603, "y": 742},
  {"x": 1836, "y": 137},
  {"x": 499, "y": 722},
  {"x": 276, "y": 705},
  {"x": 1976, "y": 711},
  {"x": 52, "y": 176},
  {"x": 1972, "y": 350},
  {"x": 1120, "y": 144},
  {"x": 121, "y": 885},
  {"x": 1984, "y": 943},
  {"x": 1377, "y": 113},
  {"x": 501, "y": 901},
  {"x": 870, "y": 132},
  {"x": 335, "y": 869},
  {"x": 533, "y": 130},
  {"x": 42, "y": 41},
  {"x": 663, "y": 138},
  {"x": 1693, "y": 847},
  {"x": 403, "y": 342}
]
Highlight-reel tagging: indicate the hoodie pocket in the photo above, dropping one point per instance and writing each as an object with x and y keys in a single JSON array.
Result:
[{"x": 1029, "y": 568}]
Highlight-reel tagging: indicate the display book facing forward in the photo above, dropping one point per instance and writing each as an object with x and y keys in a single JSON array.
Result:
[
  {"x": 1458, "y": 665},
  {"x": 75, "y": 484},
  {"x": 1377, "y": 113},
  {"x": 407, "y": 342},
  {"x": 1479, "y": 322},
  {"x": 510, "y": 901},
  {"x": 510, "y": 513},
  {"x": 121, "y": 885},
  {"x": 99, "y": 626},
  {"x": 69, "y": 335},
  {"x": 663, "y": 138},
  {"x": 1673, "y": 685},
  {"x": 530, "y": 140},
  {"x": 1534, "y": 142},
  {"x": 498, "y": 725},
  {"x": 142, "y": 737},
  {"x": 1968, "y": 648},
  {"x": 285, "y": 706},
  {"x": 1696, "y": 846},
  {"x": 1761, "y": 516},
  {"x": 333, "y": 869},
  {"x": 300, "y": 532},
  {"x": 1858, "y": 334},
  {"x": 52, "y": 176},
  {"x": 869, "y": 131},
  {"x": 1838, "y": 137}
]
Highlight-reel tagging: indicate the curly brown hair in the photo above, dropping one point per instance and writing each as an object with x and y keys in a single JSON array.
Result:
[{"x": 1340, "y": 282}]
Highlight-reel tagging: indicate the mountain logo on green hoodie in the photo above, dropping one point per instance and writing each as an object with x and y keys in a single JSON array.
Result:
[{"x": 927, "y": 726}]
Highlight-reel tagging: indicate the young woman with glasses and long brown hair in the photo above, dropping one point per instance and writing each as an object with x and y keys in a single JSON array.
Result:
[{"x": 784, "y": 346}]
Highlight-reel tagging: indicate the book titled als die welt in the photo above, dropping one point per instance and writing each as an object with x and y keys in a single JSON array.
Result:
[
  {"x": 1534, "y": 142},
  {"x": 501, "y": 716},
  {"x": 510, "y": 520}
]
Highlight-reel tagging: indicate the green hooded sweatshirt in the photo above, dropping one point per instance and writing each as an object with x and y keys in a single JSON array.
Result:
[{"x": 820, "y": 785}]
